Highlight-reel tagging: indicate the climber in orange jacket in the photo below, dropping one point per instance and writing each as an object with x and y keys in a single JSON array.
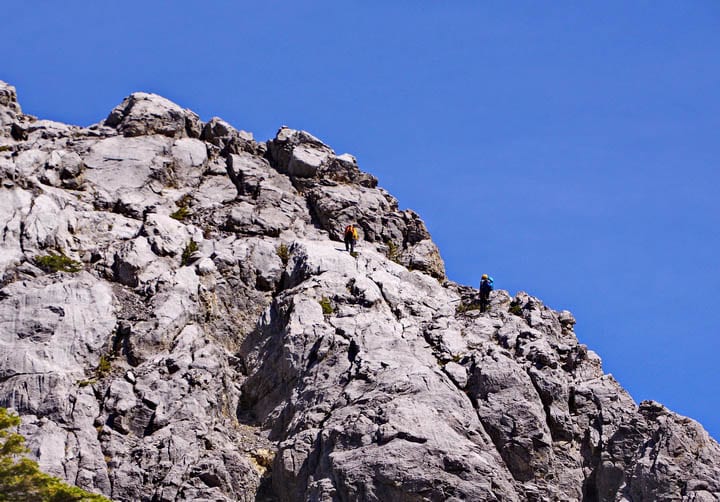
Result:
[{"x": 351, "y": 237}]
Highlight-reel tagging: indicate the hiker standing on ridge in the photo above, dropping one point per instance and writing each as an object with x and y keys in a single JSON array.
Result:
[
  {"x": 351, "y": 237},
  {"x": 486, "y": 285}
]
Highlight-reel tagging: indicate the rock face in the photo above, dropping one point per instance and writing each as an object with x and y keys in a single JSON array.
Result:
[{"x": 179, "y": 321}]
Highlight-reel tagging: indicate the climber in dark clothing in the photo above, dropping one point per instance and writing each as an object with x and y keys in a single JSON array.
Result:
[
  {"x": 351, "y": 237},
  {"x": 486, "y": 285}
]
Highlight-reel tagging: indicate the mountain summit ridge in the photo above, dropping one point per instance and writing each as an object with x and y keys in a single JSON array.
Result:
[{"x": 180, "y": 321}]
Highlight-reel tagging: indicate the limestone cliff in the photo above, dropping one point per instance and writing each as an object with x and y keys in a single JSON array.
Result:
[{"x": 179, "y": 321}]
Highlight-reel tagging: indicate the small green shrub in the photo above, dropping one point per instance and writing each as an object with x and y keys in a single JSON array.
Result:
[
  {"x": 393, "y": 252},
  {"x": 354, "y": 254},
  {"x": 5, "y": 148},
  {"x": 326, "y": 305},
  {"x": 515, "y": 309},
  {"x": 284, "y": 253},
  {"x": 104, "y": 367},
  {"x": 189, "y": 250},
  {"x": 85, "y": 383},
  {"x": 182, "y": 213},
  {"x": 57, "y": 263}
]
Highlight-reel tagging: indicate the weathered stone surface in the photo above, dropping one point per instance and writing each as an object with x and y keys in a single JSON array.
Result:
[
  {"x": 67, "y": 167},
  {"x": 141, "y": 114},
  {"x": 235, "y": 351},
  {"x": 9, "y": 108},
  {"x": 15, "y": 205},
  {"x": 281, "y": 149},
  {"x": 8, "y": 97},
  {"x": 167, "y": 236},
  {"x": 425, "y": 256},
  {"x": 306, "y": 161},
  {"x": 130, "y": 260},
  {"x": 226, "y": 137},
  {"x": 402, "y": 234}
]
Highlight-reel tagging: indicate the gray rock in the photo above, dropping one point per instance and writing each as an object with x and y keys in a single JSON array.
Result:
[
  {"x": 125, "y": 162},
  {"x": 269, "y": 364},
  {"x": 425, "y": 256},
  {"x": 9, "y": 108},
  {"x": 15, "y": 205},
  {"x": 215, "y": 192},
  {"x": 282, "y": 148},
  {"x": 306, "y": 161},
  {"x": 131, "y": 259},
  {"x": 458, "y": 373},
  {"x": 68, "y": 167},
  {"x": 142, "y": 114},
  {"x": 129, "y": 174},
  {"x": 8, "y": 97},
  {"x": 205, "y": 266},
  {"x": 403, "y": 234},
  {"x": 166, "y": 235},
  {"x": 226, "y": 137},
  {"x": 29, "y": 162},
  {"x": 189, "y": 156},
  {"x": 302, "y": 155}
]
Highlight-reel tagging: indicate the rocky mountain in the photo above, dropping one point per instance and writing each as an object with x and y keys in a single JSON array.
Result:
[{"x": 179, "y": 320}]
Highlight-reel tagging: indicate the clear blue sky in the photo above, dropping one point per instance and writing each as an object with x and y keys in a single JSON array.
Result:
[{"x": 569, "y": 149}]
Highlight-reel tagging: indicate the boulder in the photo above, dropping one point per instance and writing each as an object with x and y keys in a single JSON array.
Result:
[
  {"x": 221, "y": 134},
  {"x": 166, "y": 235},
  {"x": 281, "y": 150},
  {"x": 68, "y": 167},
  {"x": 306, "y": 160},
  {"x": 130, "y": 260},
  {"x": 425, "y": 256},
  {"x": 115, "y": 164},
  {"x": 142, "y": 114}
]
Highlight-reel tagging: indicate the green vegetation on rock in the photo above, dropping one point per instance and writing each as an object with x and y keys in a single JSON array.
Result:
[
  {"x": 189, "y": 250},
  {"x": 326, "y": 305},
  {"x": 183, "y": 208},
  {"x": 182, "y": 213},
  {"x": 516, "y": 309},
  {"x": 393, "y": 252},
  {"x": 104, "y": 367},
  {"x": 52, "y": 262},
  {"x": 284, "y": 253}
]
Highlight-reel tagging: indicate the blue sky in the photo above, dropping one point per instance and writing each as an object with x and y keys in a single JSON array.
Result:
[{"x": 569, "y": 149}]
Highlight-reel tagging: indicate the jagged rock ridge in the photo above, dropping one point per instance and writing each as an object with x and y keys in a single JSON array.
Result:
[{"x": 217, "y": 343}]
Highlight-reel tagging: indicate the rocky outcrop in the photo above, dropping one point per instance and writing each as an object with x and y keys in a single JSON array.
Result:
[
  {"x": 142, "y": 114},
  {"x": 9, "y": 107},
  {"x": 179, "y": 321}
]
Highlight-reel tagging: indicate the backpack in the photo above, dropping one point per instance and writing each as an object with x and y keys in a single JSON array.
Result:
[
  {"x": 350, "y": 232},
  {"x": 486, "y": 285}
]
